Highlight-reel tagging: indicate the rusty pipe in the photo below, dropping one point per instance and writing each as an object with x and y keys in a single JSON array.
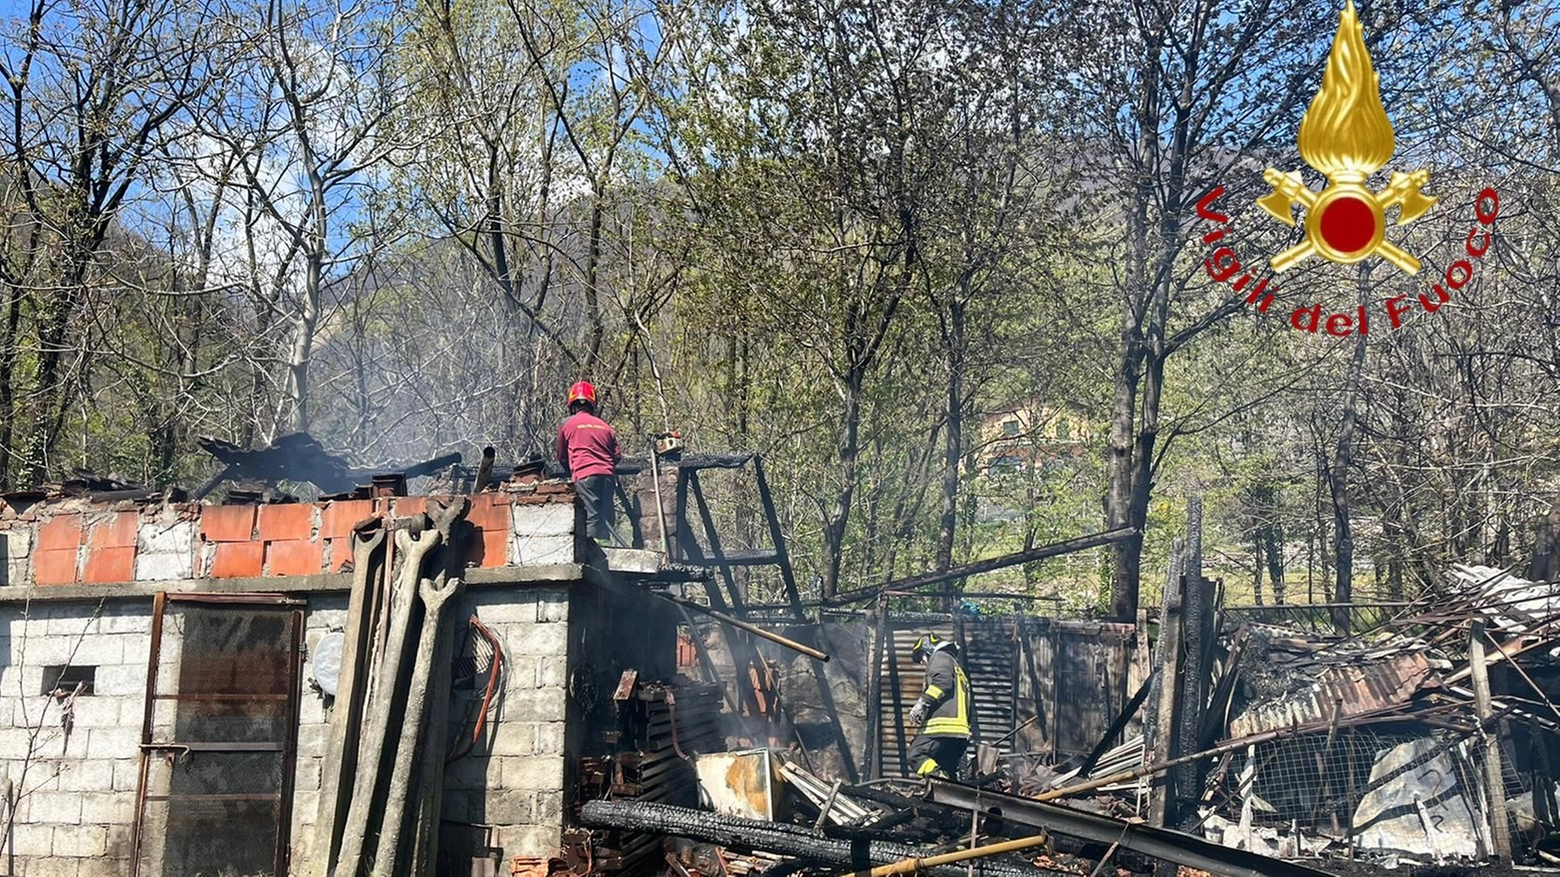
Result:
[{"x": 754, "y": 629}]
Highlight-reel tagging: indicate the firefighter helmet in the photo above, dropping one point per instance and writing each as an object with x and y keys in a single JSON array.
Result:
[
  {"x": 927, "y": 643},
  {"x": 582, "y": 392}
]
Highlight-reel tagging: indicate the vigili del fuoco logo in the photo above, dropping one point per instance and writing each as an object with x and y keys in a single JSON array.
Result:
[{"x": 1346, "y": 136}]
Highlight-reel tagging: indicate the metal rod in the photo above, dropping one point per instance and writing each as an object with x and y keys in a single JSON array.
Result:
[
  {"x": 1056, "y": 549},
  {"x": 911, "y": 866},
  {"x": 739, "y": 624}
]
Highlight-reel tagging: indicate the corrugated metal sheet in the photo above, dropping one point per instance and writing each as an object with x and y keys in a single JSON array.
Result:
[
  {"x": 1072, "y": 672},
  {"x": 1349, "y": 689}
]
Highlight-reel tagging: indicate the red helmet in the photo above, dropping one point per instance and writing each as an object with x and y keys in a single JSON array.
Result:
[{"x": 582, "y": 392}]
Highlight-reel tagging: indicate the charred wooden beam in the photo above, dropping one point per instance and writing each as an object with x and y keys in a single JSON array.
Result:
[{"x": 775, "y": 837}]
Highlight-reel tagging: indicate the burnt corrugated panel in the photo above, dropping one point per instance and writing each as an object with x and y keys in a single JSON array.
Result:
[
  {"x": 1348, "y": 690},
  {"x": 1090, "y": 660},
  {"x": 902, "y": 684},
  {"x": 992, "y": 664}
]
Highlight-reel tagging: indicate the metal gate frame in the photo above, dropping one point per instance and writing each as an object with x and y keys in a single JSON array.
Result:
[{"x": 288, "y": 747}]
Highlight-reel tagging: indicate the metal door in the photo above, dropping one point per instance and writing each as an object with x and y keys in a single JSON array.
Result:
[{"x": 219, "y": 738}]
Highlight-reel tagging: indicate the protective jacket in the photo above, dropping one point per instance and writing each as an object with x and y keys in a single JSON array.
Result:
[
  {"x": 948, "y": 690},
  {"x": 587, "y": 446}
]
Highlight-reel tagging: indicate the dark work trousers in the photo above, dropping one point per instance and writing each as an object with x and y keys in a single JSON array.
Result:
[
  {"x": 597, "y": 493},
  {"x": 932, "y": 753}
]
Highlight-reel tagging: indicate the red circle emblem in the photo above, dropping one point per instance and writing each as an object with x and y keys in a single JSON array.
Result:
[{"x": 1348, "y": 225}]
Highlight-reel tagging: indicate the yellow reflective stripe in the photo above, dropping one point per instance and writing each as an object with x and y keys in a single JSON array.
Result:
[
  {"x": 963, "y": 684},
  {"x": 927, "y": 767},
  {"x": 948, "y": 725},
  {"x": 934, "y": 692}
]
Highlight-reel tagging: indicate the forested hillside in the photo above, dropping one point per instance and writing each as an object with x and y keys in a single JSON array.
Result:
[{"x": 941, "y": 261}]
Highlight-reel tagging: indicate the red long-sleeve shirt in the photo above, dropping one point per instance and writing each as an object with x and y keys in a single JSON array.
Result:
[{"x": 587, "y": 445}]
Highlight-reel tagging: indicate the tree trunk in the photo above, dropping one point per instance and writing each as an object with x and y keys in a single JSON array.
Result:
[
  {"x": 839, "y": 515},
  {"x": 1273, "y": 537},
  {"x": 953, "y": 434},
  {"x": 1338, "y": 474}
]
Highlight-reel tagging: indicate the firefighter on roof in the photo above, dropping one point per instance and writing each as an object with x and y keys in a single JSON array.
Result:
[
  {"x": 588, "y": 449},
  {"x": 943, "y": 711}
]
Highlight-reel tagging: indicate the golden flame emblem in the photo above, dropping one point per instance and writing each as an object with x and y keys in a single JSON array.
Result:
[{"x": 1346, "y": 136}]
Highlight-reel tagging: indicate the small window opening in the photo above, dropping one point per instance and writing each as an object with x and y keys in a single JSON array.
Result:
[
  {"x": 62, "y": 679},
  {"x": 1010, "y": 428}
]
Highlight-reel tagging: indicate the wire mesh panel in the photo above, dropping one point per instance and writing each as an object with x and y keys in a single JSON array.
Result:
[{"x": 219, "y": 738}]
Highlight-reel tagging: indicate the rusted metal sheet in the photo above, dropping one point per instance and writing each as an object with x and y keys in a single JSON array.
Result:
[
  {"x": 219, "y": 737},
  {"x": 1347, "y": 690}
]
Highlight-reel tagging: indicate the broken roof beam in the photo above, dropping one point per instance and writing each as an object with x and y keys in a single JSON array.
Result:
[
  {"x": 1171, "y": 846},
  {"x": 776, "y": 837},
  {"x": 1056, "y": 549}
]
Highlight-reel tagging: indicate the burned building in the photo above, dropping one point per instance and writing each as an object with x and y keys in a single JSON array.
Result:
[{"x": 172, "y": 673}]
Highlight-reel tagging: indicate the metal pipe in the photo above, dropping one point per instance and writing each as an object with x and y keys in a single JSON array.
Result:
[
  {"x": 754, "y": 629},
  {"x": 911, "y": 866}
]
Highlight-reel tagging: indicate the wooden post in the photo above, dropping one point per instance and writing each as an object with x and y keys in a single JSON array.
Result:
[
  {"x": 1495, "y": 786},
  {"x": 1161, "y": 731},
  {"x": 874, "y": 745}
]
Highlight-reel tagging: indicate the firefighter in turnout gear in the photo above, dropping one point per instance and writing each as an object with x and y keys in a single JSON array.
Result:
[{"x": 943, "y": 711}]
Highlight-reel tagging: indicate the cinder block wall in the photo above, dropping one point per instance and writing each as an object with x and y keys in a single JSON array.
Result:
[
  {"x": 75, "y": 783},
  {"x": 76, "y": 791}
]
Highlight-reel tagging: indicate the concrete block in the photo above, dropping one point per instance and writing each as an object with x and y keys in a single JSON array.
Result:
[
  {"x": 513, "y": 738},
  {"x": 549, "y": 738},
  {"x": 306, "y": 806},
  {"x": 34, "y": 840},
  {"x": 121, "y": 680},
  {"x": 99, "y": 712},
  {"x": 529, "y": 840},
  {"x": 54, "y": 808},
  {"x": 549, "y": 807},
  {"x": 17, "y": 542},
  {"x": 45, "y": 649},
  {"x": 538, "y": 704},
  {"x": 121, "y": 838},
  {"x": 128, "y": 618},
  {"x": 54, "y": 866},
  {"x": 82, "y": 625},
  {"x": 80, "y": 841},
  {"x": 311, "y": 707},
  {"x": 538, "y": 772},
  {"x": 312, "y": 739},
  {"x": 113, "y": 743},
  {"x": 510, "y": 807},
  {"x": 100, "y": 649},
  {"x": 166, "y": 537},
  {"x": 138, "y": 650},
  {"x": 307, "y": 776},
  {"x": 15, "y": 548},
  {"x": 552, "y": 672},
  {"x": 505, "y": 607},
  {"x": 536, "y": 639},
  {"x": 553, "y": 519},
  {"x": 103, "y": 808},
  {"x": 165, "y": 566},
  {"x": 104, "y": 867},
  {"x": 127, "y": 774},
  {"x": 552, "y": 606},
  {"x": 526, "y": 550},
  {"x": 87, "y": 776}
]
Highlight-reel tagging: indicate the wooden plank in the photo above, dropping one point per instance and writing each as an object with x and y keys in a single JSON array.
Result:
[
  {"x": 340, "y": 762},
  {"x": 1494, "y": 784}
]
